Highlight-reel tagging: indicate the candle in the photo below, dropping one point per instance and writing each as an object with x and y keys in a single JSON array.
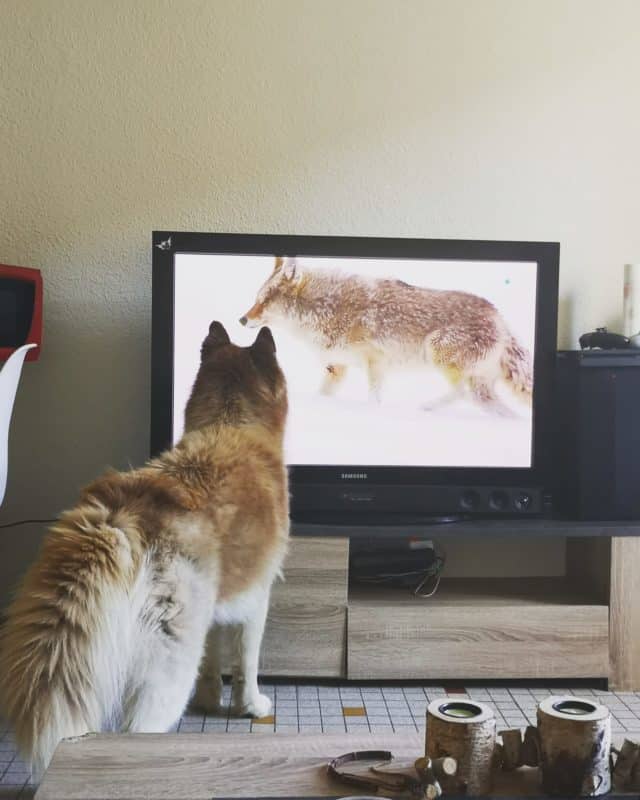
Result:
[
  {"x": 575, "y": 707},
  {"x": 631, "y": 300},
  {"x": 462, "y": 710}
]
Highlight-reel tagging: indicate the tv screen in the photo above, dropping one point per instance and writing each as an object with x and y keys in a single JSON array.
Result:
[{"x": 406, "y": 360}]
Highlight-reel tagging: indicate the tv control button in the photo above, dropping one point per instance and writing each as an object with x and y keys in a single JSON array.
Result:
[
  {"x": 523, "y": 501},
  {"x": 357, "y": 497},
  {"x": 499, "y": 501},
  {"x": 469, "y": 500}
]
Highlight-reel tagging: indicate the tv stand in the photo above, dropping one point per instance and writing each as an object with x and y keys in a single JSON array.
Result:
[{"x": 585, "y": 624}]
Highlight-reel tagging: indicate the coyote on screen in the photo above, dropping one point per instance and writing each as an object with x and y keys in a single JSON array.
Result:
[{"x": 380, "y": 324}]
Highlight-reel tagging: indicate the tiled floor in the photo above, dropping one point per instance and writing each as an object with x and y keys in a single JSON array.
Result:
[{"x": 327, "y": 708}]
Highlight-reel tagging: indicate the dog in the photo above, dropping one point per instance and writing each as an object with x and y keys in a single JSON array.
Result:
[
  {"x": 380, "y": 324},
  {"x": 109, "y": 629}
]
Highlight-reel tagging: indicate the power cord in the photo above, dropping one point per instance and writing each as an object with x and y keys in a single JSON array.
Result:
[
  {"x": 434, "y": 573},
  {"x": 417, "y": 591},
  {"x": 431, "y": 573},
  {"x": 26, "y": 522}
]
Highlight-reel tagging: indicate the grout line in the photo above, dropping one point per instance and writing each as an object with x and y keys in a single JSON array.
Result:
[
  {"x": 6, "y": 769},
  {"x": 388, "y": 712},
  {"x": 362, "y": 705},
  {"x": 321, "y": 718},
  {"x": 413, "y": 716},
  {"x": 275, "y": 708},
  {"x": 26, "y": 786}
]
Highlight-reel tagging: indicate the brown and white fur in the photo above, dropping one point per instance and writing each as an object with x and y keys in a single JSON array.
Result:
[
  {"x": 108, "y": 630},
  {"x": 380, "y": 324}
]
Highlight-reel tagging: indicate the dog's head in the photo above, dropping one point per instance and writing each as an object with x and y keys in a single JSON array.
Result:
[
  {"x": 237, "y": 384},
  {"x": 274, "y": 294}
]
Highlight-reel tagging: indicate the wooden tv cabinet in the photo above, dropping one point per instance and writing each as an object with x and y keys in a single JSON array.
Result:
[{"x": 585, "y": 624}]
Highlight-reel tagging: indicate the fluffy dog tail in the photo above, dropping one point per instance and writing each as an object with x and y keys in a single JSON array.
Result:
[
  {"x": 64, "y": 646},
  {"x": 516, "y": 368}
]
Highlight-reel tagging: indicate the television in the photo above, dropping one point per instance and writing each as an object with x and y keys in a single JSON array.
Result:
[{"x": 419, "y": 371}]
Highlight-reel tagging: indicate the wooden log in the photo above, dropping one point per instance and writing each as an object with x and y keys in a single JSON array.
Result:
[
  {"x": 424, "y": 768},
  {"x": 440, "y": 771},
  {"x": 444, "y": 767},
  {"x": 575, "y": 741},
  {"x": 466, "y": 731},
  {"x": 531, "y": 747},
  {"x": 445, "y": 770},
  {"x": 427, "y": 771},
  {"x": 432, "y": 791},
  {"x": 625, "y": 764},
  {"x": 633, "y": 784},
  {"x": 511, "y": 749}
]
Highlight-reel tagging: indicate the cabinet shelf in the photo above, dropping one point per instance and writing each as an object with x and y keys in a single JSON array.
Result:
[
  {"x": 585, "y": 624},
  {"x": 480, "y": 628},
  {"x": 474, "y": 592}
]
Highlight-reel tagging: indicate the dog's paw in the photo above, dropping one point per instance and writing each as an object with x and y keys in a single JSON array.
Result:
[
  {"x": 258, "y": 706},
  {"x": 208, "y": 695}
]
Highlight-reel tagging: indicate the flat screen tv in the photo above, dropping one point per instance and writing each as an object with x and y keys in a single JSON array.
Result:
[{"x": 419, "y": 371}]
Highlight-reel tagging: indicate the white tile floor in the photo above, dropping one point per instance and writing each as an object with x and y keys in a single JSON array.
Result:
[{"x": 324, "y": 708}]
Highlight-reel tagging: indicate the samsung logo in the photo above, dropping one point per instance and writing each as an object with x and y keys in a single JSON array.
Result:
[{"x": 354, "y": 476}]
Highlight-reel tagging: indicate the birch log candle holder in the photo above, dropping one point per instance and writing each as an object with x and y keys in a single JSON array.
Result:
[
  {"x": 466, "y": 731},
  {"x": 575, "y": 742}
]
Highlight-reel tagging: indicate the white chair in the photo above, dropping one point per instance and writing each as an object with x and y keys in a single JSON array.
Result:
[{"x": 9, "y": 379}]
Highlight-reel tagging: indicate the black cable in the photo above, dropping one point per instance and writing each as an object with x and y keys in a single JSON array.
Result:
[{"x": 26, "y": 522}]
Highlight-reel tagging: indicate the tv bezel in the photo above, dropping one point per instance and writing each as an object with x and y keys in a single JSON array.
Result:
[{"x": 166, "y": 244}]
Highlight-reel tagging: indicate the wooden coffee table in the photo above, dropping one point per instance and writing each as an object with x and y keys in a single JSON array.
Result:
[{"x": 200, "y": 766}]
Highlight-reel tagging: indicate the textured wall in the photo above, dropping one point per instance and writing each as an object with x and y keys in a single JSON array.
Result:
[{"x": 492, "y": 119}]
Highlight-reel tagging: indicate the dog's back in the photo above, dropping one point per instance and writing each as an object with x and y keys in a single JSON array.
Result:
[{"x": 108, "y": 629}]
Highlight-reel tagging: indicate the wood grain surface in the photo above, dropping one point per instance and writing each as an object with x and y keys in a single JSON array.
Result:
[
  {"x": 527, "y": 628},
  {"x": 624, "y": 620},
  {"x": 200, "y": 766},
  {"x": 306, "y": 626}
]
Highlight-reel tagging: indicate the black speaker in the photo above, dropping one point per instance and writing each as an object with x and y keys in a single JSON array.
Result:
[{"x": 597, "y": 442}]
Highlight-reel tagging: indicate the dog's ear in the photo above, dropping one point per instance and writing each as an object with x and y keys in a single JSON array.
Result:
[
  {"x": 216, "y": 337},
  {"x": 264, "y": 343},
  {"x": 263, "y": 355},
  {"x": 279, "y": 264},
  {"x": 289, "y": 268}
]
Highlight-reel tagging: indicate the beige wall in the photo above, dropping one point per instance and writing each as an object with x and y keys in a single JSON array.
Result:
[{"x": 477, "y": 118}]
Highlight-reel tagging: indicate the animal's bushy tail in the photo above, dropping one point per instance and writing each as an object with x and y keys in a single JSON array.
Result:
[
  {"x": 63, "y": 648},
  {"x": 516, "y": 368}
]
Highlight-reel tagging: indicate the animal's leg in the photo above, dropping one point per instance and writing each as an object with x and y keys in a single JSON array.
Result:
[
  {"x": 444, "y": 400},
  {"x": 456, "y": 389},
  {"x": 247, "y": 699},
  {"x": 333, "y": 377},
  {"x": 483, "y": 392},
  {"x": 157, "y": 708},
  {"x": 374, "y": 376},
  {"x": 161, "y": 697},
  {"x": 163, "y": 672},
  {"x": 208, "y": 694}
]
